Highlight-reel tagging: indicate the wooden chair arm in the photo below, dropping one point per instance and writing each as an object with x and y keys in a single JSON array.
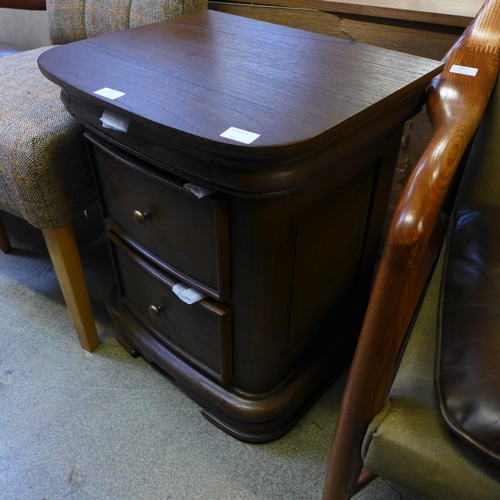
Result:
[
  {"x": 23, "y": 4},
  {"x": 455, "y": 104}
]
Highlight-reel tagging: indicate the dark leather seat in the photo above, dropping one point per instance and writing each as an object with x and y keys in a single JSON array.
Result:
[{"x": 468, "y": 350}]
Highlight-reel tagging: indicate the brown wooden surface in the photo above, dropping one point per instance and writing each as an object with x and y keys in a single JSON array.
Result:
[
  {"x": 445, "y": 12},
  {"x": 405, "y": 35},
  {"x": 455, "y": 105},
  {"x": 201, "y": 332},
  {"x": 425, "y": 40},
  {"x": 299, "y": 90},
  {"x": 186, "y": 236},
  {"x": 412, "y": 37},
  {"x": 23, "y": 4},
  {"x": 284, "y": 352},
  {"x": 392, "y": 26},
  {"x": 328, "y": 146}
]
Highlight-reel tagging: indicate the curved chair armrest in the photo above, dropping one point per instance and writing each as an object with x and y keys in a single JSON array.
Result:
[
  {"x": 23, "y": 4},
  {"x": 455, "y": 104}
]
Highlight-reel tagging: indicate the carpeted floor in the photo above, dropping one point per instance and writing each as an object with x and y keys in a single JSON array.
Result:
[{"x": 106, "y": 426}]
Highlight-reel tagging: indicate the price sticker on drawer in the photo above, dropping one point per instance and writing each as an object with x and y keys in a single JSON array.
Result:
[{"x": 239, "y": 135}]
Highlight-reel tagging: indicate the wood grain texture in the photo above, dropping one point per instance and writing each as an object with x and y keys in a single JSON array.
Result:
[
  {"x": 328, "y": 144},
  {"x": 23, "y": 4},
  {"x": 199, "y": 253},
  {"x": 300, "y": 91},
  {"x": 420, "y": 39},
  {"x": 455, "y": 105},
  {"x": 307, "y": 82},
  {"x": 66, "y": 261},
  {"x": 424, "y": 40},
  {"x": 445, "y": 12},
  {"x": 200, "y": 332}
]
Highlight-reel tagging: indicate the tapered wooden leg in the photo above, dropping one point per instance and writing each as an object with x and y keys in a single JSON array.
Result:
[
  {"x": 366, "y": 477},
  {"x": 66, "y": 260},
  {"x": 4, "y": 239}
]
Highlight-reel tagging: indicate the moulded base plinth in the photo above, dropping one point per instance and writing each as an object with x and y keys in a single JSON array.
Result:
[{"x": 255, "y": 418}]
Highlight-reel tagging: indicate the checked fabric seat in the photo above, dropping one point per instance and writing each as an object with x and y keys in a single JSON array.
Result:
[{"x": 44, "y": 174}]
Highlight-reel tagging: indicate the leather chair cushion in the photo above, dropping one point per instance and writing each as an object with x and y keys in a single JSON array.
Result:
[
  {"x": 45, "y": 177},
  {"x": 468, "y": 359}
]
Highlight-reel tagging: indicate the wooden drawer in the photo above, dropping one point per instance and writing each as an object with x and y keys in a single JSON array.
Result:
[
  {"x": 154, "y": 213},
  {"x": 200, "y": 332}
]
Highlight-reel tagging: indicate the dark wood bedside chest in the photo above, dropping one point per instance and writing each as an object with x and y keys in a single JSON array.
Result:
[{"x": 290, "y": 138}]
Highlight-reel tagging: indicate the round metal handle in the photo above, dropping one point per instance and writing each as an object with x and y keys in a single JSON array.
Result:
[
  {"x": 155, "y": 311},
  {"x": 141, "y": 218}
]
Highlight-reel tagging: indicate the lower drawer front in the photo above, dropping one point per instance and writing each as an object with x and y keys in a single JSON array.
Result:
[{"x": 200, "y": 332}]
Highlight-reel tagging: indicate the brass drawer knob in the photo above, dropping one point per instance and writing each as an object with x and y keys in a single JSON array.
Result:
[
  {"x": 155, "y": 311},
  {"x": 141, "y": 218}
]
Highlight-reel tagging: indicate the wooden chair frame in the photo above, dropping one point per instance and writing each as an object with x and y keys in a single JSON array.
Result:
[{"x": 455, "y": 104}]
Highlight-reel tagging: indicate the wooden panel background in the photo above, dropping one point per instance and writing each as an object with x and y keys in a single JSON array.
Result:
[{"x": 426, "y": 40}]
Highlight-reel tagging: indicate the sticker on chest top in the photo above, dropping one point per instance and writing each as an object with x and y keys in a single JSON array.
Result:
[{"x": 239, "y": 135}]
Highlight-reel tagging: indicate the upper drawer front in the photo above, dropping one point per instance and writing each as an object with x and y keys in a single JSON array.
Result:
[
  {"x": 200, "y": 332},
  {"x": 158, "y": 216}
]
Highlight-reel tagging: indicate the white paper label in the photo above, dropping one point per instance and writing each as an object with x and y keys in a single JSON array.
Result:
[
  {"x": 463, "y": 70},
  {"x": 238, "y": 135},
  {"x": 109, "y": 93},
  {"x": 114, "y": 122},
  {"x": 187, "y": 294},
  {"x": 199, "y": 191}
]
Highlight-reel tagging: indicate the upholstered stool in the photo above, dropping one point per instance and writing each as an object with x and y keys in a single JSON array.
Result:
[
  {"x": 44, "y": 173},
  {"x": 45, "y": 177}
]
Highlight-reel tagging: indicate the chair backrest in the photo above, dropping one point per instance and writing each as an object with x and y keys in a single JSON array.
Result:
[
  {"x": 72, "y": 20},
  {"x": 455, "y": 103},
  {"x": 483, "y": 184}
]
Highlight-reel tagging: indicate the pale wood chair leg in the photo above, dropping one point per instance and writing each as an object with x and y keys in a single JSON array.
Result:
[
  {"x": 5, "y": 245},
  {"x": 66, "y": 260}
]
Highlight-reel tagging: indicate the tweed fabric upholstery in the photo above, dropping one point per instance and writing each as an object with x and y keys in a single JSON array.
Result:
[
  {"x": 147, "y": 11},
  {"x": 72, "y": 20},
  {"x": 66, "y": 20},
  {"x": 44, "y": 174},
  {"x": 105, "y": 16}
]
